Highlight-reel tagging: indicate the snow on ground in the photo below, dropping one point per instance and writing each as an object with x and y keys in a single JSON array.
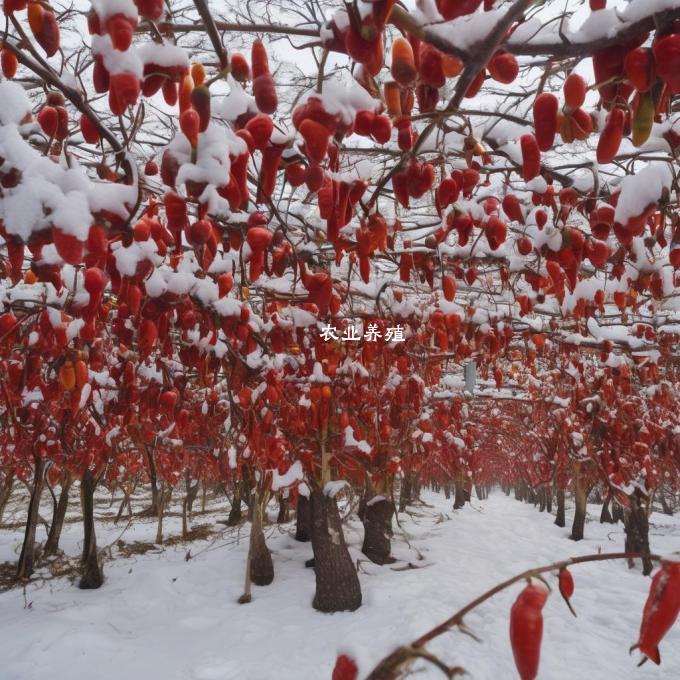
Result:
[{"x": 161, "y": 616}]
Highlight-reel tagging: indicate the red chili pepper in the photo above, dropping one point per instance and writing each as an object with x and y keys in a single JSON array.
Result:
[
  {"x": 268, "y": 169},
  {"x": 512, "y": 208},
  {"x": 9, "y": 63},
  {"x": 607, "y": 66},
  {"x": 100, "y": 75},
  {"x": 667, "y": 56},
  {"x": 526, "y": 630},
  {"x": 124, "y": 89},
  {"x": 566, "y": 581},
  {"x": 200, "y": 100},
  {"x": 545, "y": 120},
  {"x": 431, "y": 66},
  {"x": 575, "y": 89},
  {"x": 640, "y": 68},
  {"x": 47, "y": 36},
  {"x": 264, "y": 88},
  {"x": 611, "y": 136},
  {"x": 661, "y": 609},
  {"x": 503, "y": 67},
  {"x": 48, "y": 120},
  {"x": 403, "y": 67},
  {"x": 450, "y": 9},
  {"x": 531, "y": 157},
  {"x": 89, "y": 130},
  {"x": 316, "y": 139},
  {"x": 449, "y": 288}
]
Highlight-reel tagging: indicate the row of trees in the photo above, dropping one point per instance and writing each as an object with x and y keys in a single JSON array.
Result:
[{"x": 192, "y": 198}]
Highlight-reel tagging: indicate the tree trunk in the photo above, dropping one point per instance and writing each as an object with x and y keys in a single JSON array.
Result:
[
  {"x": 617, "y": 513},
  {"x": 580, "y": 499},
  {"x": 153, "y": 479},
  {"x": 303, "y": 529},
  {"x": 204, "y": 496},
  {"x": 415, "y": 487},
  {"x": 459, "y": 500},
  {"x": 404, "y": 492},
  {"x": 541, "y": 499},
  {"x": 605, "y": 515},
  {"x": 235, "y": 514},
  {"x": 125, "y": 502},
  {"x": 58, "y": 516},
  {"x": 163, "y": 500},
  {"x": 447, "y": 491},
  {"x": 548, "y": 498},
  {"x": 337, "y": 582},
  {"x": 92, "y": 576},
  {"x": 27, "y": 557},
  {"x": 6, "y": 492},
  {"x": 559, "y": 517},
  {"x": 377, "y": 521},
  {"x": 665, "y": 508},
  {"x": 637, "y": 532},
  {"x": 189, "y": 498},
  {"x": 261, "y": 565},
  {"x": 283, "y": 509},
  {"x": 247, "y": 496}
]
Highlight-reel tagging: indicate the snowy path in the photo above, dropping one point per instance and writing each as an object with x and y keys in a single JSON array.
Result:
[{"x": 159, "y": 616}]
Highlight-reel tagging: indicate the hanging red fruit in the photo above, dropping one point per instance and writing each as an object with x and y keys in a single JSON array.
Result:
[
  {"x": 531, "y": 157},
  {"x": 545, "y": 120},
  {"x": 661, "y": 609},
  {"x": 403, "y": 67},
  {"x": 526, "y": 630},
  {"x": 611, "y": 136},
  {"x": 575, "y": 89}
]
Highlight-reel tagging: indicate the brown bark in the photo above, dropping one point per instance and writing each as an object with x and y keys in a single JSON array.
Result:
[
  {"x": 377, "y": 521},
  {"x": 27, "y": 556},
  {"x": 303, "y": 528},
  {"x": 665, "y": 508},
  {"x": 261, "y": 565},
  {"x": 235, "y": 514},
  {"x": 187, "y": 504},
  {"x": 337, "y": 583},
  {"x": 6, "y": 492},
  {"x": 153, "y": 479},
  {"x": 124, "y": 503},
  {"x": 580, "y": 500},
  {"x": 560, "y": 519},
  {"x": 459, "y": 499},
  {"x": 617, "y": 513},
  {"x": 404, "y": 492},
  {"x": 92, "y": 575},
  {"x": 282, "y": 517},
  {"x": 637, "y": 532},
  {"x": 58, "y": 516},
  {"x": 163, "y": 499},
  {"x": 605, "y": 515}
]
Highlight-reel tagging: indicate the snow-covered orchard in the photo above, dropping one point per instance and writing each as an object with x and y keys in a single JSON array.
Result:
[{"x": 313, "y": 313}]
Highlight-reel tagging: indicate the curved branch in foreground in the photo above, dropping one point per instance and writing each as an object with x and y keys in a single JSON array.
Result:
[{"x": 389, "y": 667}]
